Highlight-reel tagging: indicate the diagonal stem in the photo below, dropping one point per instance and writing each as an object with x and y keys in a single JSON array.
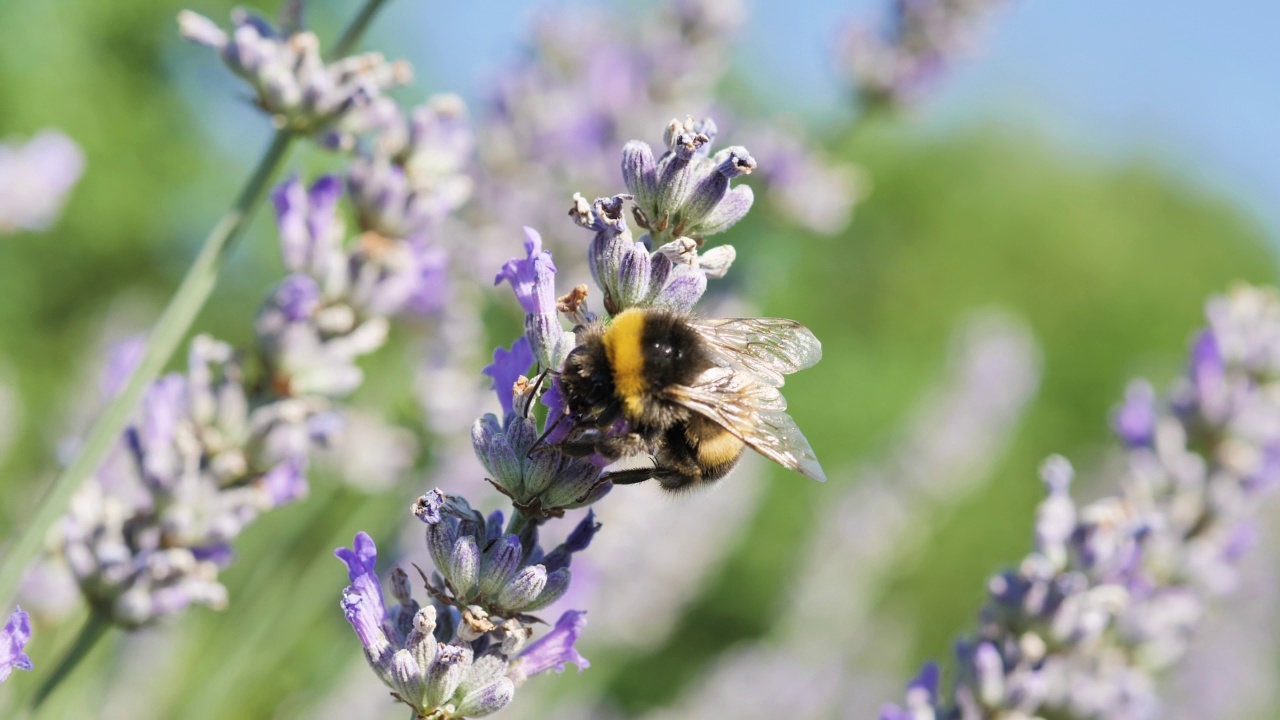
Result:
[
  {"x": 95, "y": 627},
  {"x": 169, "y": 331}
]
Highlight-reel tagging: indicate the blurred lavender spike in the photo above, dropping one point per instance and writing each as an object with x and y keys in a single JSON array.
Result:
[
  {"x": 35, "y": 179},
  {"x": 294, "y": 85},
  {"x": 897, "y": 66},
  {"x": 1114, "y": 589},
  {"x": 211, "y": 450}
]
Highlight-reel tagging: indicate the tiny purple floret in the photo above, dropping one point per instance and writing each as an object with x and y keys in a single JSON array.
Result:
[
  {"x": 554, "y": 649},
  {"x": 13, "y": 640}
]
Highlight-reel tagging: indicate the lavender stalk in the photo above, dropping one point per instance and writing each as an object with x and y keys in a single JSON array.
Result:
[
  {"x": 185, "y": 577},
  {"x": 1114, "y": 589},
  {"x": 467, "y": 650},
  {"x": 169, "y": 331}
]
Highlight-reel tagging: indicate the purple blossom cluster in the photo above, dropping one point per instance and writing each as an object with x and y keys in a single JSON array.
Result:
[
  {"x": 293, "y": 83},
  {"x": 35, "y": 179},
  {"x": 1115, "y": 588},
  {"x": 465, "y": 654},
  {"x": 213, "y": 448},
  {"x": 920, "y": 40}
]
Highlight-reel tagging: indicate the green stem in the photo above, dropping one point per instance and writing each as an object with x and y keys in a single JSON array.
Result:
[
  {"x": 347, "y": 42},
  {"x": 169, "y": 331},
  {"x": 517, "y": 523},
  {"x": 94, "y": 629},
  {"x": 167, "y": 334}
]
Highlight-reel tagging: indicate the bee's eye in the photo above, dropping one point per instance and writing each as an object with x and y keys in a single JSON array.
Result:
[{"x": 664, "y": 350}]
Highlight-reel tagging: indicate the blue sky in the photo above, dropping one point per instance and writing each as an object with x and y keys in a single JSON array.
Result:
[{"x": 1196, "y": 86}]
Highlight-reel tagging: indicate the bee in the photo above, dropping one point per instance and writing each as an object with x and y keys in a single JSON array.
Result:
[{"x": 693, "y": 393}]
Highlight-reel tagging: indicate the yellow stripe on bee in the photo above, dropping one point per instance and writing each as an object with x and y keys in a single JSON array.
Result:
[
  {"x": 718, "y": 448},
  {"x": 622, "y": 345}
]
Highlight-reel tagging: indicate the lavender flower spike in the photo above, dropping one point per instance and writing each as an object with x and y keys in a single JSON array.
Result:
[
  {"x": 461, "y": 655},
  {"x": 1113, "y": 590},
  {"x": 533, "y": 281},
  {"x": 293, "y": 83},
  {"x": 629, "y": 274},
  {"x": 13, "y": 639},
  {"x": 685, "y": 193}
]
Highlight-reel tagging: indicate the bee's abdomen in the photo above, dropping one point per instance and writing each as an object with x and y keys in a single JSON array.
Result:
[{"x": 717, "y": 450}]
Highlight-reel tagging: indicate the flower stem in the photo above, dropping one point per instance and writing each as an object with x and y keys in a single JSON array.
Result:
[
  {"x": 347, "y": 42},
  {"x": 95, "y": 627},
  {"x": 517, "y": 523},
  {"x": 169, "y": 331}
]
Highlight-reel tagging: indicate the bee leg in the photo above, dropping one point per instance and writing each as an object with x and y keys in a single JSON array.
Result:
[
  {"x": 669, "y": 478},
  {"x": 583, "y": 441},
  {"x": 620, "y": 477},
  {"x": 630, "y": 476}
]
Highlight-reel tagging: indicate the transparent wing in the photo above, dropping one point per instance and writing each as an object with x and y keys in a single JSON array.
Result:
[
  {"x": 755, "y": 412},
  {"x": 768, "y": 347}
]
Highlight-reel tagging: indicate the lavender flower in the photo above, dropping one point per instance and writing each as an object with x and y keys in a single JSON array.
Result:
[
  {"x": 630, "y": 275},
  {"x": 896, "y": 67},
  {"x": 685, "y": 193},
  {"x": 1114, "y": 589},
  {"x": 449, "y": 660},
  {"x": 13, "y": 639},
  {"x": 148, "y": 539},
  {"x": 35, "y": 179},
  {"x": 533, "y": 281},
  {"x": 297, "y": 88},
  {"x": 679, "y": 198},
  {"x": 211, "y": 449}
]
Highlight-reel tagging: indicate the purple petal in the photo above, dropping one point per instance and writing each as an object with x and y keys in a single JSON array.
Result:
[
  {"x": 298, "y": 297},
  {"x": 13, "y": 640},
  {"x": 553, "y": 650},
  {"x": 533, "y": 278},
  {"x": 290, "y": 200},
  {"x": 287, "y": 481},
  {"x": 361, "y": 557},
  {"x": 682, "y": 292},
  {"x": 1135, "y": 420},
  {"x": 580, "y": 538},
  {"x": 506, "y": 368},
  {"x": 362, "y": 599}
]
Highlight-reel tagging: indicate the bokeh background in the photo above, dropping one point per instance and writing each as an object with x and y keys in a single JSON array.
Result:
[{"x": 1039, "y": 228}]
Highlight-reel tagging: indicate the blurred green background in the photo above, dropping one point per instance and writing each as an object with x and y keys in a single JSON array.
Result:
[{"x": 1109, "y": 260}]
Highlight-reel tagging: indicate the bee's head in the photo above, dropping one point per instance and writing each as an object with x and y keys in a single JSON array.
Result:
[{"x": 672, "y": 351}]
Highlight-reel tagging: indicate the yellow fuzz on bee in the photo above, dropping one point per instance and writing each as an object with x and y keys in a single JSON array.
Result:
[
  {"x": 626, "y": 358},
  {"x": 716, "y": 447}
]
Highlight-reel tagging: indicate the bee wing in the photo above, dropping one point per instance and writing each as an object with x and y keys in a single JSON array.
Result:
[
  {"x": 755, "y": 412},
  {"x": 768, "y": 347}
]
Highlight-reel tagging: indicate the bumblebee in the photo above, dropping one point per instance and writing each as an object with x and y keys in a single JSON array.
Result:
[{"x": 693, "y": 393}]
